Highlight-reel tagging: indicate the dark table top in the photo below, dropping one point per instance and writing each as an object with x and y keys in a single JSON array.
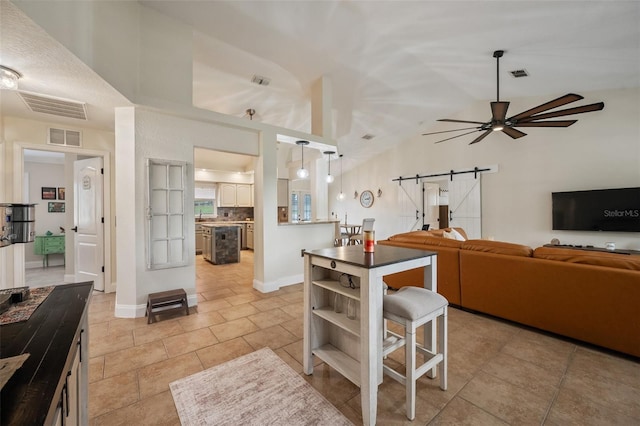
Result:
[
  {"x": 382, "y": 256},
  {"x": 47, "y": 336}
]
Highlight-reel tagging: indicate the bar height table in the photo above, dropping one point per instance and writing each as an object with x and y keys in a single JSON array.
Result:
[{"x": 353, "y": 347}]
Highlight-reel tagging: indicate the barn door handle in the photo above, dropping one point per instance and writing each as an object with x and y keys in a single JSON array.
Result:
[{"x": 75, "y": 229}]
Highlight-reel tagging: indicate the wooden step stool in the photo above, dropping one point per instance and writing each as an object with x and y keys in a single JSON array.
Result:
[{"x": 166, "y": 298}]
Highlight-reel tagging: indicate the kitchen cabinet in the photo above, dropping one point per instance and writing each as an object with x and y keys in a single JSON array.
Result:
[
  {"x": 250, "y": 236},
  {"x": 236, "y": 195},
  {"x": 283, "y": 192},
  {"x": 199, "y": 242},
  {"x": 206, "y": 243}
]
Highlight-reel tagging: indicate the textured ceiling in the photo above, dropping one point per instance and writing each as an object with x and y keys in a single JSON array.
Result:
[{"x": 395, "y": 66}]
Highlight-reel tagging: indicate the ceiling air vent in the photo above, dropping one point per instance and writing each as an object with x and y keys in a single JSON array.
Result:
[
  {"x": 368, "y": 137},
  {"x": 260, "y": 80},
  {"x": 62, "y": 137},
  {"x": 54, "y": 106},
  {"x": 519, "y": 73}
]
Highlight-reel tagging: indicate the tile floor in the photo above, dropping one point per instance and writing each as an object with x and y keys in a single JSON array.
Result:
[{"x": 499, "y": 373}]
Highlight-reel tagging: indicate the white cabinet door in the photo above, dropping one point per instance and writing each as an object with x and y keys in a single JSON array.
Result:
[
  {"x": 283, "y": 192},
  {"x": 227, "y": 194},
  {"x": 243, "y": 195}
]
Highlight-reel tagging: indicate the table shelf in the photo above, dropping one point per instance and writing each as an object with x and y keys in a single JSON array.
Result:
[
  {"x": 336, "y": 287},
  {"x": 341, "y": 362},
  {"x": 339, "y": 319}
]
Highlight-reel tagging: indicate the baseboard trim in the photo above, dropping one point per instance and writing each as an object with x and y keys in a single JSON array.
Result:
[
  {"x": 268, "y": 287},
  {"x": 130, "y": 311},
  {"x": 139, "y": 311}
]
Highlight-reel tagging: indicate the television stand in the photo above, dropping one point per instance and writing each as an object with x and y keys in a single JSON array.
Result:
[{"x": 592, "y": 248}]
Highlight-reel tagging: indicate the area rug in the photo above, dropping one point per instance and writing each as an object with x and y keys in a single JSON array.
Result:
[
  {"x": 255, "y": 389},
  {"x": 23, "y": 310}
]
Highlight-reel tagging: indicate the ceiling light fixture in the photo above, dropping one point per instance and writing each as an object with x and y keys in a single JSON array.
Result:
[
  {"x": 302, "y": 172},
  {"x": 341, "y": 194},
  {"x": 9, "y": 78},
  {"x": 329, "y": 176}
]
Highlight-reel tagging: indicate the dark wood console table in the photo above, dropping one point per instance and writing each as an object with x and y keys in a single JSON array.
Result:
[{"x": 51, "y": 387}]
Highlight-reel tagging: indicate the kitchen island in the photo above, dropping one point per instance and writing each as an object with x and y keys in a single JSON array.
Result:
[{"x": 221, "y": 242}]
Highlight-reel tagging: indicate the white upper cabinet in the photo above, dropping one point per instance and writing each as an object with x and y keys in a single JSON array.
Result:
[
  {"x": 236, "y": 195},
  {"x": 243, "y": 195}
]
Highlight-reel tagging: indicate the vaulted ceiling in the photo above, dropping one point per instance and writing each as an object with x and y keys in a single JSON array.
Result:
[{"x": 395, "y": 66}]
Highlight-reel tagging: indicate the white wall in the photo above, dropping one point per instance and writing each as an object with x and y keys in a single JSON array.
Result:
[{"x": 602, "y": 150}]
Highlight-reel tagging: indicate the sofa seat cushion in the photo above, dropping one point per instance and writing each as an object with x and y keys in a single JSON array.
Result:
[
  {"x": 497, "y": 247},
  {"x": 611, "y": 260}
]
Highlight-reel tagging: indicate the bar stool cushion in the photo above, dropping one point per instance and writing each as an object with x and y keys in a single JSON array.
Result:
[{"x": 413, "y": 302}]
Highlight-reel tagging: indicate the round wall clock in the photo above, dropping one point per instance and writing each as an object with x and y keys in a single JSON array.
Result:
[{"x": 366, "y": 199}]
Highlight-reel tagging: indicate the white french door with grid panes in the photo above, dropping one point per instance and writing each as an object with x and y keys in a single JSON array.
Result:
[
  {"x": 166, "y": 225},
  {"x": 300, "y": 206}
]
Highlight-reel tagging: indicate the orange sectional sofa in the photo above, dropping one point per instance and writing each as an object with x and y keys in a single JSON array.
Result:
[{"x": 586, "y": 295}]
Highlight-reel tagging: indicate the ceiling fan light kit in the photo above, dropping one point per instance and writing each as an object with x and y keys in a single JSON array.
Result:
[{"x": 530, "y": 118}]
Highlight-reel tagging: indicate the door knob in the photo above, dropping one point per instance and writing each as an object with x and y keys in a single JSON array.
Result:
[{"x": 75, "y": 229}]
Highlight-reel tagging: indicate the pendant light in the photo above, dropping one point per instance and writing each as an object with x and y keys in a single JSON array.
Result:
[
  {"x": 341, "y": 194},
  {"x": 302, "y": 172},
  {"x": 329, "y": 176}
]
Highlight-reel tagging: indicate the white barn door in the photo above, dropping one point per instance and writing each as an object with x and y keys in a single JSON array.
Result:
[
  {"x": 410, "y": 202},
  {"x": 465, "y": 209}
]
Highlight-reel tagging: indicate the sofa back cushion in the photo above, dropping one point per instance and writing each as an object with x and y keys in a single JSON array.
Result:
[
  {"x": 497, "y": 247},
  {"x": 598, "y": 258},
  {"x": 416, "y": 237},
  {"x": 440, "y": 232},
  {"x": 425, "y": 237}
]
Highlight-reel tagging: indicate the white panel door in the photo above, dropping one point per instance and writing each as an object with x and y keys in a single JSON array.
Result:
[
  {"x": 88, "y": 214},
  {"x": 465, "y": 209}
]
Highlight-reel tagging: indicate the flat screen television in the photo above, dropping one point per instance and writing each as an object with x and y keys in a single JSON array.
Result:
[{"x": 614, "y": 210}]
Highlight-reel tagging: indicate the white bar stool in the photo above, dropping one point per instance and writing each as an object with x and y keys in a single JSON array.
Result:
[{"x": 412, "y": 307}]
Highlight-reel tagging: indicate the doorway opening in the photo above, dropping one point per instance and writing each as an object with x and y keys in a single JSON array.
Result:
[
  {"x": 37, "y": 167},
  {"x": 223, "y": 193}
]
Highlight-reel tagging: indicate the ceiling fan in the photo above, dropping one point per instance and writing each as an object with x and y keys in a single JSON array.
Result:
[{"x": 529, "y": 118}]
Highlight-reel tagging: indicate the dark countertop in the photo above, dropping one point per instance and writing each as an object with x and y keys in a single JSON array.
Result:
[
  {"x": 48, "y": 337},
  {"x": 383, "y": 255}
]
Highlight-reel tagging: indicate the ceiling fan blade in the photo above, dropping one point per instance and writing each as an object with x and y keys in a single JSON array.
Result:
[
  {"x": 558, "y": 102},
  {"x": 569, "y": 111},
  {"x": 448, "y": 120},
  {"x": 482, "y": 136},
  {"x": 499, "y": 111},
  {"x": 557, "y": 123},
  {"x": 457, "y": 136},
  {"x": 514, "y": 133},
  {"x": 448, "y": 131}
]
